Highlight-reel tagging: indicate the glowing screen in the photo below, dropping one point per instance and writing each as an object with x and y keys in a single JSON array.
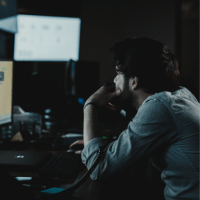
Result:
[
  {"x": 47, "y": 38},
  {"x": 6, "y": 78}
]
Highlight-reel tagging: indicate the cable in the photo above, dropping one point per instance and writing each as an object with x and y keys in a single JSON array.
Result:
[{"x": 54, "y": 142}]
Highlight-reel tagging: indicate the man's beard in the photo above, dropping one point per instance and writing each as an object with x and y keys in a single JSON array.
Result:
[{"x": 125, "y": 100}]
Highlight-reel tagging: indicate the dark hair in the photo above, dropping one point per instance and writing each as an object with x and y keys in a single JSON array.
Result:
[{"x": 149, "y": 60}]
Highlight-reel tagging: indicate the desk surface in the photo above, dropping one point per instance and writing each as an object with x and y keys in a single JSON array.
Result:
[
  {"x": 123, "y": 186},
  {"x": 120, "y": 186}
]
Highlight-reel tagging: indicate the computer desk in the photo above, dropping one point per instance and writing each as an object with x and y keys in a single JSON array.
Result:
[
  {"x": 120, "y": 186},
  {"x": 124, "y": 185}
]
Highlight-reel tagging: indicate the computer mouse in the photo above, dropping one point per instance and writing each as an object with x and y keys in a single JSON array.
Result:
[
  {"x": 72, "y": 137},
  {"x": 71, "y": 150},
  {"x": 63, "y": 142}
]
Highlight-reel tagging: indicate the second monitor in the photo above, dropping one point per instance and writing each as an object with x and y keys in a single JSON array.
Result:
[
  {"x": 52, "y": 82},
  {"x": 6, "y": 83}
]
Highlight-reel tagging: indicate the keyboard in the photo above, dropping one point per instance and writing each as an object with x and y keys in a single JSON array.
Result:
[{"x": 62, "y": 165}]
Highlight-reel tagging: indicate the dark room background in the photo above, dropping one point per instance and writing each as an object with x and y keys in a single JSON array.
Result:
[
  {"x": 103, "y": 22},
  {"x": 174, "y": 22}
]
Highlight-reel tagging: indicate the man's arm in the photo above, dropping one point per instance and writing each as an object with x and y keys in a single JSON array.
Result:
[
  {"x": 91, "y": 125},
  {"x": 151, "y": 129},
  {"x": 99, "y": 99}
]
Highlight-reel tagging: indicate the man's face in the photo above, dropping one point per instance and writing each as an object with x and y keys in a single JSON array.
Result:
[
  {"x": 119, "y": 81},
  {"x": 125, "y": 99}
]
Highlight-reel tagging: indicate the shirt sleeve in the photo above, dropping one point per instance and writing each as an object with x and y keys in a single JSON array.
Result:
[
  {"x": 152, "y": 127},
  {"x": 123, "y": 113}
]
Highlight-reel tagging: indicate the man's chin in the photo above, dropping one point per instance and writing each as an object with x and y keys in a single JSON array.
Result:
[
  {"x": 123, "y": 105},
  {"x": 125, "y": 108}
]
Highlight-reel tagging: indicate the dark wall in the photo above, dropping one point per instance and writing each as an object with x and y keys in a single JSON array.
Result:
[
  {"x": 8, "y": 8},
  {"x": 189, "y": 48},
  {"x": 106, "y": 22}
]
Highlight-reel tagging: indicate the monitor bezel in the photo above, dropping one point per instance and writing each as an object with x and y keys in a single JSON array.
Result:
[{"x": 9, "y": 123}]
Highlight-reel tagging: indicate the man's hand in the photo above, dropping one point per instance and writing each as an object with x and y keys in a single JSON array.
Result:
[
  {"x": 77, "y": 144},
  {"x": 100, "y": 98},
  {"x": 103, "y": 96},
  {"x": 114, "y": 107}
]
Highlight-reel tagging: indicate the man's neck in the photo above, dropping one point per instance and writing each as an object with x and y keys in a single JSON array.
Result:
[{"x": 139, "y": 98}]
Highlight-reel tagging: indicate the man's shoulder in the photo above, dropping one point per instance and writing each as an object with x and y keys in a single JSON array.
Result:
[
  {"x": 167, "y": 96},
  {"x": 161, "y": 102},
  {"x": 153, "y": 108},
  {"x": 169, "y": 103},
  {"x": 157, "y": 99}
]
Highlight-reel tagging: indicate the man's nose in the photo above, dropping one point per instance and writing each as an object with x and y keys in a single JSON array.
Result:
[{"x": 115, "y": 79}]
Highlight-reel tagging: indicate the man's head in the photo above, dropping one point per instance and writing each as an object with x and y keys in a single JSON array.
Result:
[
  {"x": 149, "y": 60},
  {"x": 144, "y": 67}
]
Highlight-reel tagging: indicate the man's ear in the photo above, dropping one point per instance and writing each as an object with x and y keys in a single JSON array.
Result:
[{"x": 134, "y": 83}]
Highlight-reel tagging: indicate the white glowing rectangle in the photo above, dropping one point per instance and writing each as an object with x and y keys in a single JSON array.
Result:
[{"x": 47, "y": 38}]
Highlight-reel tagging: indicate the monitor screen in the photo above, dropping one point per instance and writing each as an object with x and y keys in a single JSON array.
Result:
[
  {"x": 47, "y": 38},
  {"x": 6, "y": 80}
]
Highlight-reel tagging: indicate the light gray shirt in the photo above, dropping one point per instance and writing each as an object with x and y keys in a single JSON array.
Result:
[{"x": 166, "y": 129}]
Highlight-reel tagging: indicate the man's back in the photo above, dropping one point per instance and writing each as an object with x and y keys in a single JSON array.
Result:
[{"x": 179, "y": 162}]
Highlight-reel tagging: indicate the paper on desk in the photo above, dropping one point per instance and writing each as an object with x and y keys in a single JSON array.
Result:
[{"x": 17, "y": 137}]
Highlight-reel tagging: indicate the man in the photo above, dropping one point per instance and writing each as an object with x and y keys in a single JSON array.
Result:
[{"x": 165, "y": 128}]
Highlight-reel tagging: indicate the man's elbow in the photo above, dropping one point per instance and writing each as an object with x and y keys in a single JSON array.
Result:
[{"x": 96, "y": 176}]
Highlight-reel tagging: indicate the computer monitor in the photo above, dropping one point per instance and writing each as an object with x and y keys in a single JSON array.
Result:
[
  {"x": 47, "y": 38},
  {"x": 6, "y": 84},
  {"x": 81, "y": 78}
]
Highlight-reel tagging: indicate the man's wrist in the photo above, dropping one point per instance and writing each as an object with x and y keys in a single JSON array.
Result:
[{"x": 90, "y": 104}]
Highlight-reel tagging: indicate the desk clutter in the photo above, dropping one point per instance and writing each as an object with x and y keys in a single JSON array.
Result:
[
  {"x": 28, "y": 124},
  {"x": 46, "y": 131},
  {"x": 50, "y": 121},
  {"x": 48, "y": 143}
]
